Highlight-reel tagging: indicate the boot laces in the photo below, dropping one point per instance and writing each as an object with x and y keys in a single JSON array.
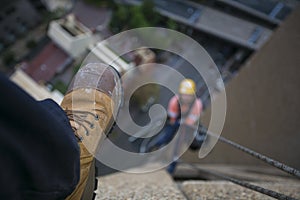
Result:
[{"x": 80, "y": 118}]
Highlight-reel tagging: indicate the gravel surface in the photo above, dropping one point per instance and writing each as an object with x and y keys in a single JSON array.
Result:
[
  {"x": 159, "y": 185},
  {"x": 156, "y": 185},
  {"x": 214, "y": 190},
  {"x": 247, "y": 173}
]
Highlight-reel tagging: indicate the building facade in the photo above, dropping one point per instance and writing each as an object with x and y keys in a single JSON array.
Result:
[
  {"x": 263, "y": 103},
  {"x": 16, "y": 18}
]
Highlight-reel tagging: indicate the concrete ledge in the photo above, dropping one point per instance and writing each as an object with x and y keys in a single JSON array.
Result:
[
  {"x": 155, "y": 185},
  {"x": 195, "y": 190},
  {"x": 160, "y": 185},
  {"x": 243, "y": 172}
]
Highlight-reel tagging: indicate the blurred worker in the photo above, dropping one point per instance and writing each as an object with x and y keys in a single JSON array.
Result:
[
  {"x": 43, "y": 152},
  {"x": 184, "y": 109}
]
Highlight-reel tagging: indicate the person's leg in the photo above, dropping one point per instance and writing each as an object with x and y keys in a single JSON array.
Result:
[
  {"x": 91, "y": 183},
  {"x": 166, "y": 136},
  {"x": 91, "y": 103},
  {"x": 171, "y": 168},
  {"x": 38, "y": 145},
  {"x": 86, "y": 160},
  {"x": 38, "y": 150}
]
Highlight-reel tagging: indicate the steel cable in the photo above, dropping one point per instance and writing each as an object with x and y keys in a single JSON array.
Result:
[
  {"x": 257, "y": 155},
  {"x": 256, "y": 188}
]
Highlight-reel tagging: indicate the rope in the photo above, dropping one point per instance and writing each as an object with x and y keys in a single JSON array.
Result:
[
  {"x": 256, "y": 188},
  {"x": 257, "y": 155}
]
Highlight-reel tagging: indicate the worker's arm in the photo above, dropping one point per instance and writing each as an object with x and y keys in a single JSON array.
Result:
[
  {"x": 194, "y": 115},
  {"x": 173, "y": 110}
]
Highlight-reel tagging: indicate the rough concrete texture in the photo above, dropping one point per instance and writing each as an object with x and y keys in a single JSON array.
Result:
[
  {"x": 205, "y": 190},
  {"x": 152, "y": 186},
  {"x": 247, "y": 173},
  {"x": 159, "y": 184},
  {"x": 267, "y": 177}
]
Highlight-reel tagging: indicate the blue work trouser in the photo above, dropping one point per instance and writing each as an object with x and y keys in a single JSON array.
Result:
[
  {"x": 167, "y": 134},
  {"x": 39, "y": 153},
  {"x": 165, "y": 137}
]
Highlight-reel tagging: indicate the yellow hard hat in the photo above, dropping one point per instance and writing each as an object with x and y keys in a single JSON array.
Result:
[{"x": 187, "y": 86}]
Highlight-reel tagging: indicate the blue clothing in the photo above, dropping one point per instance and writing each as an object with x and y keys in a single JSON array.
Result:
[
  {"x": 171, "y": 168},
  {"x": 39, "y": 153},
  {"x": 167, "y": 134},
  {"x": 164, "y": 138}
]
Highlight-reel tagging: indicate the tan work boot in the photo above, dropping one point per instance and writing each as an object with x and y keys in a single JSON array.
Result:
[{"x": 91, "y": 104}]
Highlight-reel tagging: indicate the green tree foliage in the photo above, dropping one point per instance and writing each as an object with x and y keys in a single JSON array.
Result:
[
  {"x": 137, "y": 18},
  {"x": 128, "y": 17},
  {"x": 102, "y": 3},
  {"x": 60, "y": 86},
  {"x": 171, "y": 24},
  {"x": 31, "y": 43},
  {"x": 148, "y": 10},
  {"x": 119, "y": 19},
  {"x": 76, "y": 68},
  {"x": 9, "y": 58}
]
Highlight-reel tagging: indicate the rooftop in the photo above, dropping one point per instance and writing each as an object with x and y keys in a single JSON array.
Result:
[
  {"x": 273, "y": 11},
  {"x": 72, "y": 26},
  {"x": 44, "y": 66},
  {"x": 92, "y": 17},
  {"x": 211, "y": 21},
  {"x": 39, "y": 92}
]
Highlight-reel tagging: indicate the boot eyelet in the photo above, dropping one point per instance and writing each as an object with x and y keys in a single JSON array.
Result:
[{"x": 86, "y": 133}]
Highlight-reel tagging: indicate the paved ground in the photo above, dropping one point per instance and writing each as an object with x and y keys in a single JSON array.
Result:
[
  {"x": 159, "y": 185},
  {"x": 156, "y": 185},
  {"x": 212, "y": 187},
  {"x": 245, "y": 172},
  {"x": 226, "y": 190}
]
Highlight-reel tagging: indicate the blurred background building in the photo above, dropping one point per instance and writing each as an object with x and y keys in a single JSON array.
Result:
[{"x": 16, "y": 18}]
